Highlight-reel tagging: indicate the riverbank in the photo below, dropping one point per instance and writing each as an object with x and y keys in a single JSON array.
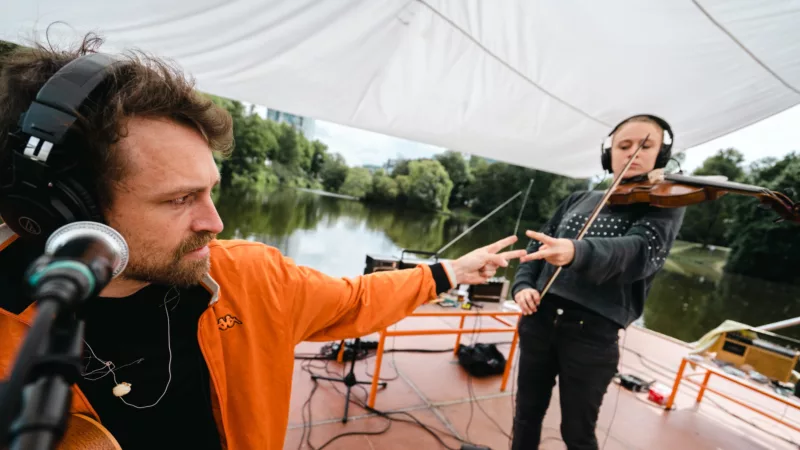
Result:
[{"x": 326, "y": 193}]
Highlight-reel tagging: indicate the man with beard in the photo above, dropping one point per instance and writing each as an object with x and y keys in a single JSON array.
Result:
[{"x": 192, "y": 346}]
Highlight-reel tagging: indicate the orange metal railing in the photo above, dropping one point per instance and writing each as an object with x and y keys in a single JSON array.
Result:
[
  {"x": 510, "y": 327},
  {"x": 704, "y": 387}
]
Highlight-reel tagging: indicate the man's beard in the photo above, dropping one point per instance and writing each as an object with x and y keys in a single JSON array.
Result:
[{"x": 176, "y": 271}]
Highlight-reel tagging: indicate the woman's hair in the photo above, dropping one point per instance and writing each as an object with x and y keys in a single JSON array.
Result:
[
  {"x": 144, "y": 86},
  {"x": 641, "y": 118}
]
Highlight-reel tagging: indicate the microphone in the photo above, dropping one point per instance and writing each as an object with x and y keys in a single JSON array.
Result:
[{"x": 80, "y": 259}]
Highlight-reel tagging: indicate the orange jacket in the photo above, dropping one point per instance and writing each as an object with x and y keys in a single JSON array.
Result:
[{"x": 262, "y": 305}]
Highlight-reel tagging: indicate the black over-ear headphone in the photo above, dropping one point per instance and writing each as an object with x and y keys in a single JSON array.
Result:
[
  {"x": 664, "y": 154},
  {"x": 37, "y": 197}
]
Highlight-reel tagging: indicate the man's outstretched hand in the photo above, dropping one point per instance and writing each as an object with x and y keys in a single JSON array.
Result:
[{"x": 479, "y": 265}]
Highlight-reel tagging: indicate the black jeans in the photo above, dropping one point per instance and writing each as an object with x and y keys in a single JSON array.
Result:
[{"x": 580, "y": 347}]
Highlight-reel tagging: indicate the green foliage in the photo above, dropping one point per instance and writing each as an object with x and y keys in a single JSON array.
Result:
[
  {"x": 707, "y": 223},
  {"x": 403, "y": 188},
  {"x": 269, "y": 154},
  {"x": 358, "y": 183},
  {"x": 430, "y": 185},
  {"x": 319, "y": 155},
  {"x": 459, "y": 173},
  {"x": 497, "y": 182},
  {"x": 399, "y": 167},
  {"x": 604, "y": 184},
  {"x": 759, "y": 246},
  {"x": 333, "y": 172},
  {"x": 727, "y": 163},
  {"x": 384, "y": 189}
]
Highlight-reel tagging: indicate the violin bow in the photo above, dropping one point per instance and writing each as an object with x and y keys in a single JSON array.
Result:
[{"x": 597, "y": 210}]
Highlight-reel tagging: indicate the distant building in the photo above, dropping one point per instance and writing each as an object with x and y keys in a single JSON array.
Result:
[
  {"x": 372, "y": 167},
  {"x": 305, "y": 125}
]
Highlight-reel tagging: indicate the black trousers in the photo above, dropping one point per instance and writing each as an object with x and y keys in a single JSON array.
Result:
[{"x": 581, "y": 348}]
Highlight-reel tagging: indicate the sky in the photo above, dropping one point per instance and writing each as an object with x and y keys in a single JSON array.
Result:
[{"x": 775, "y": 136}]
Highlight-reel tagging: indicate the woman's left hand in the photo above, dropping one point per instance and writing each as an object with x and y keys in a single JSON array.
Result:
[{"x": 556, "y": 251}]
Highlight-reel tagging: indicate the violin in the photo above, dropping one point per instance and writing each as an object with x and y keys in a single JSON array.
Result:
[{"x": 676, "y": 190}]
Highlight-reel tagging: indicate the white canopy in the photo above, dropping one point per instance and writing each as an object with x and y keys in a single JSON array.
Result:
[{"x": 530, "y": 82}]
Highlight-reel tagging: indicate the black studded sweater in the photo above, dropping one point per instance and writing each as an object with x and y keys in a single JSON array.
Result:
[{"x": 614, "y": 263}]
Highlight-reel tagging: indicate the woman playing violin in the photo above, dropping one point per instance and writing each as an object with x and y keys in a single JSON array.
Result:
[{"x": 572, "y": 332}]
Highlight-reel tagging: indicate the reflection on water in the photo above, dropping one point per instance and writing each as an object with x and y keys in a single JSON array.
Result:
[{"x": 334, "y": 236}]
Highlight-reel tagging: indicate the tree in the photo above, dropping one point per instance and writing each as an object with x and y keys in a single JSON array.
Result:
[
  {"x": 459, "y": 173},
  {"x": 358, "y": 183},
  {"x": 760, "y": 247},
  {"x": 707, "y": 223},
  {"x": 399, "y": 167},
  {"x": 403, "y": 189},
  {"x": 497, "y": 182},
  {"x": 384, "y": 188},
  {"x": 245, "y": 169},
  {"x": 319, "y": 154},
  {"x": 333, "y": 172},
  {"x": 725, "y": 162},
  {"x": 430, "y": 186}
]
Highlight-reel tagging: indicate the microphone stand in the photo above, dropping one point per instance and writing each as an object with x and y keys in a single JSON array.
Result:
[
  {"x": 35, "y": 401},
  {"x": 349, "y": 380},
  {"x": 53, "y": 366}
]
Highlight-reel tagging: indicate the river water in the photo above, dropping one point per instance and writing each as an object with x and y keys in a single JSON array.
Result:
[{"x": 689, "y": 297}]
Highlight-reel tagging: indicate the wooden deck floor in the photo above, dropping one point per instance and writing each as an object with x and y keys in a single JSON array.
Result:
[{"x": 435, "y": 390}]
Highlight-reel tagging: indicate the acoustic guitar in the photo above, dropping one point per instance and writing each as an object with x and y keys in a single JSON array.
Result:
[{"x": 85, "y": 433}]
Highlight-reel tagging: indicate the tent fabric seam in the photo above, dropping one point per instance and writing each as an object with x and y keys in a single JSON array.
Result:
[
  {"x": 743, "y": 47},
  {"x": 510, "y": 67}
]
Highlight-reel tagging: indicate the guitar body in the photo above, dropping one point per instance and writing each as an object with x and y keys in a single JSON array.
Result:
[{"x": 85, "y": 433}]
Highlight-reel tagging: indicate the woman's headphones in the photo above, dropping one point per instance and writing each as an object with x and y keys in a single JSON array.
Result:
[
  {"x": 664, "y": 154},
  {"x": 36, "y": 196}
]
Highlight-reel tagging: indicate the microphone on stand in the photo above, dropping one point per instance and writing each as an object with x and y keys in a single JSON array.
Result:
[
  {"x": 83, "y": 255},
  {"x": 79, "y": 261}
]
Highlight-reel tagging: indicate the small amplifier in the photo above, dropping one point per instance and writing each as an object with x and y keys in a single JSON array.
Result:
[
  {"x": 494, "y": 290},
  {"x": 381, "y": 263}
]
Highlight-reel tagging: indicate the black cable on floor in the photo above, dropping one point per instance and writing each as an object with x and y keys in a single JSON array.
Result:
[
  {"x": 387, "y": 415},
  {"x": 328, "y": 353}
]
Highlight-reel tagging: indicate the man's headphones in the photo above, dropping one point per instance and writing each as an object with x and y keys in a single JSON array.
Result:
[
  {"x": 664, "y": 154},
  {"x": 37, "y": 197}
]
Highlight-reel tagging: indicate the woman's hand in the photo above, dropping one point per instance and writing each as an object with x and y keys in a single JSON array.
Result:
[{"x": 528, "y": 300}]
